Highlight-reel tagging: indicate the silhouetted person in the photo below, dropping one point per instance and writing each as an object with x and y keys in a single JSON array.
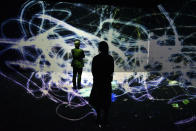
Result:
[
  {"x": 77, "y": 64},
  {"x": 102, "y": 70}
]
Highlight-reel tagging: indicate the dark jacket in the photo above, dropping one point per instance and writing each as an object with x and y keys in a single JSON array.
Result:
[
  {"x": 102, "y": 70},
  {"x": 78, "y": 55}
]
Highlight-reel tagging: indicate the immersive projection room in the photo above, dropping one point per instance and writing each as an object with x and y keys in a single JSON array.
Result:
[{"x": 91, "y": 65}]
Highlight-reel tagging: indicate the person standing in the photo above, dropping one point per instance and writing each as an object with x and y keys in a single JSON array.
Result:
[
  {"x": 77, "y": 64},
  {"x": 102, "y": 71}
]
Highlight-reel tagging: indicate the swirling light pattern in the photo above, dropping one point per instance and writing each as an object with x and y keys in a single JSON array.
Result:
[{"x": 147, "y": 57}]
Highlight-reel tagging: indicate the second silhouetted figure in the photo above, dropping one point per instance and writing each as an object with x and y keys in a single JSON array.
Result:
[{"x": 102, "y": 71}]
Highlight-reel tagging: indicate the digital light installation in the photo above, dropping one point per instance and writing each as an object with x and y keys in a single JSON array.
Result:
[{"x": 151, "y": 52}]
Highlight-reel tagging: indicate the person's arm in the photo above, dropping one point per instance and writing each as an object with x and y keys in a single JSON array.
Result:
[
  {"x": 93, "y": 67},
  {"x": 72, "y": 52},
  {"x": 112, "y": 69},
  {"x": 83, "y": 55}
]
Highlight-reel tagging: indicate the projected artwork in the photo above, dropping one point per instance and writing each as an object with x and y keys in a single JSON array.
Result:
[{"x": 154, "y": 51}]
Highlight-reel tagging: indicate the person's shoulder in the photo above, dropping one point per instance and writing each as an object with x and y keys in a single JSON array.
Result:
[
  {"x": 110, "y": 56},
  {"x": 81, "y": 50},
  {"x": 96, "y": 57},
  {"x": 72, "y": 50}
]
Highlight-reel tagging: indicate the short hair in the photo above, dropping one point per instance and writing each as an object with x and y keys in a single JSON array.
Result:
[
  {"x": 76, "y": 41},
  {"x": 103, "y": 47}
]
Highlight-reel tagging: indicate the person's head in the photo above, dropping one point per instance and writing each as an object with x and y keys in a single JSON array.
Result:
[
  {"x": 77, "y": 43},
  {"x": 103, "y": 47}
]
